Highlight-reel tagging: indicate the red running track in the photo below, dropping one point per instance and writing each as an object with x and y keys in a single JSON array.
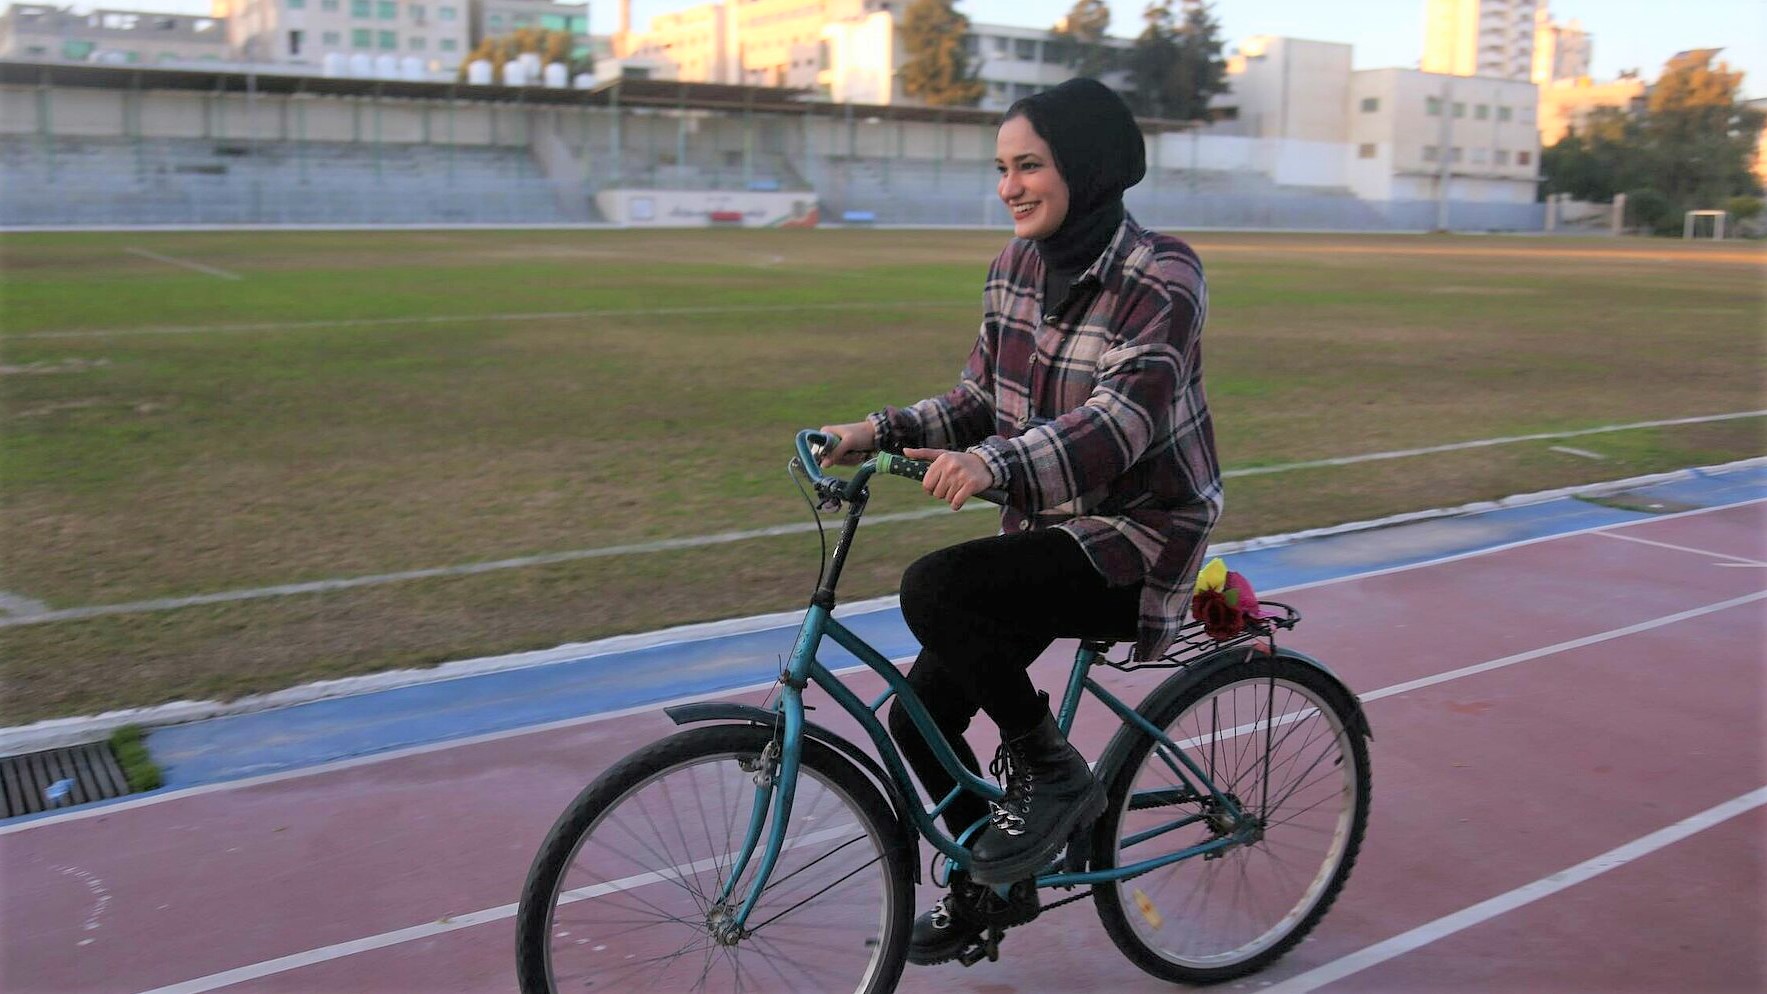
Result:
[{"x": 1534, "y": 708}]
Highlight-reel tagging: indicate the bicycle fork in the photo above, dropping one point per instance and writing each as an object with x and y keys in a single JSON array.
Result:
[{"x": 775, "y": 772}]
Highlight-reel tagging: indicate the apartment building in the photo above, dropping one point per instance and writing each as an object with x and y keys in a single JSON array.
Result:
[
  {"x": 41, "y": 33},
  {"x": 1480, "y": 38},
  {"x": 1288, "y": 88},
  {"x": 1561, "y": 51},
  {"x": 1430, "y": 136},
  {"x": 302, "y": 33},
  {"x": 1567, "y": 103}
]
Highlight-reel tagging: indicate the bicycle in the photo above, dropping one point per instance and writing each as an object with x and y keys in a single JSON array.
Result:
[{"x": 767, "y": 852}]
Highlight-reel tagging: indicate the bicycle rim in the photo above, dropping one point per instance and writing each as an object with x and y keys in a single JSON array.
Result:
[
  {"x": 633, "y": 909},
  {"x": 1285, "y": 755}
]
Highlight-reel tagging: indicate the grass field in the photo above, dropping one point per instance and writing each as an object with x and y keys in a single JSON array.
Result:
[{"x": 362, "y": 403}]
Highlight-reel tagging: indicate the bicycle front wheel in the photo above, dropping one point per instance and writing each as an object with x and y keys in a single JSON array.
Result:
[
  {"x": 623, "y": 895},
  {"x": 1282, "y": 739}
]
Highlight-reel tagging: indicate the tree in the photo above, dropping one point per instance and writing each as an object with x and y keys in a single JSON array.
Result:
[
  {"x": 551, "y": 46},
  {"x": 1176, "y": 66},
  {"x": 1690, "y": 148},
  {"x": 1078, "y": 41},
  {"x": 937, "y": 70}
]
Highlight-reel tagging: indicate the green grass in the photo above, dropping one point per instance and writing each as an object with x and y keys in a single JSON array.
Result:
[
  {"x": 139, "y": 769},
  {"x": 141, "y": 465}
]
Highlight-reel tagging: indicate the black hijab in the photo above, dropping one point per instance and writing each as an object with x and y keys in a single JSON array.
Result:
[{"x": 1099, "y": 152}]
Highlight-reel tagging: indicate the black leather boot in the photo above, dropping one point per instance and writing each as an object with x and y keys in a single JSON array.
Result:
[
  {"x": 950, "y": 927},
  {"x": 1049, "y": 792}
]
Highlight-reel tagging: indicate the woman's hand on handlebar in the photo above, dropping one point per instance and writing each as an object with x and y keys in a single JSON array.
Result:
[
  {"x": 857, "y": 442},
  {"x": 955, "y": 476}
]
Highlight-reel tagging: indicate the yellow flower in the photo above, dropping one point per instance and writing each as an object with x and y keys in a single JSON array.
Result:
[{"x": 1213, "y": 576}]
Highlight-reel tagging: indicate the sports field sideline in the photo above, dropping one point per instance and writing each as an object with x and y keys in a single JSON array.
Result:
[{"x": 189, "y": 414}]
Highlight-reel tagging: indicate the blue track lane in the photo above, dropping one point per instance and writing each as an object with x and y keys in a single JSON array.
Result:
[{"x": 248, "y": 745}]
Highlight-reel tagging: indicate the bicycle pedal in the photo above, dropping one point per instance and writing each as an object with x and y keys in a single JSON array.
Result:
[{"x": 985, "y": 946}]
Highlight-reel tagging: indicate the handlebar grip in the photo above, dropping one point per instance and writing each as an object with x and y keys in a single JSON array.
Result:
[{"x": 913, "y": 469}]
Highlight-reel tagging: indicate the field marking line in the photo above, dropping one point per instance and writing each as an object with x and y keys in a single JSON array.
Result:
[
  {"x": 1521, "y": 896},
  {"x": 1484, "y": 442},
  {"x": 186, "y": 263},
  {"x": 453, "y": 923},
  {"x": 11, "y": 603},
  {"x": 1557, "y": 881},
  {"x": 637, "y": 709},
  {"x": 49, "y": 616},
  {"x": 1740, "y": 560},
  {"x": 1585, "y": 453},
  {"x": 197, "y": 329}
]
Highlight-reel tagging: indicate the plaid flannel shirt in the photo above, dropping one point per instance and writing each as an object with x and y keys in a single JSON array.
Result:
[{"x": 1093, "y": 421}]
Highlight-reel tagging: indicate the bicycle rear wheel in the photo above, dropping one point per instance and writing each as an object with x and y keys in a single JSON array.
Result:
[
  {"x": 1283, "y": 739},
  {"x": 622, "y": 895}
]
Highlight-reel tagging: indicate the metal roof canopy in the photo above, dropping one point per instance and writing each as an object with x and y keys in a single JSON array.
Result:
[{"x": 624, "y": 92}]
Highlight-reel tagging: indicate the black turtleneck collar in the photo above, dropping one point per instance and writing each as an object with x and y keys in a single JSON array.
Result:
[{"x": 1073, "y": 248}]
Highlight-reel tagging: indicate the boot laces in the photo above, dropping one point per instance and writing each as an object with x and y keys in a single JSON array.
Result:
[{"x": 1008, "y": 813}]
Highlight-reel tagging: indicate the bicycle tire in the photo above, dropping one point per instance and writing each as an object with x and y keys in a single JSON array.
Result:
[
  {"x": 1183, "y": 901},
  {"x": 710, "y": 756}
]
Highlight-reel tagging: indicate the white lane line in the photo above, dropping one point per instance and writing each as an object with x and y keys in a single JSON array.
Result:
[
  {"x": 199, "y": 329},
  {"x": 12, "y": 603},
  {"x": 1527, "y": 894},
  {"x": 186, "y": 263},
  {"x": 453, "y": 923},
  {"x": 385, "y": 939},
  {"x": 1483, "y": 442},
  {"x": 1584, "y": 453},
  {"x": 46, "y": 616},
  {"x": 1742, "y": 560},
  {"x": 1588, "y": 640}
]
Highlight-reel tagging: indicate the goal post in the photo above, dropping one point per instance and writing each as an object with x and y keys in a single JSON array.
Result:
[{"x": 1691, "y": 225}]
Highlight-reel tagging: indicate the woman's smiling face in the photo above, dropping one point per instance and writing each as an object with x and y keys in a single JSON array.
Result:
[{"x": 1030, "y": 186}]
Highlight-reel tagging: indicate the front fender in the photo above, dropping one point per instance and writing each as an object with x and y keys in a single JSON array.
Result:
[{"x": 698, "y": 711}]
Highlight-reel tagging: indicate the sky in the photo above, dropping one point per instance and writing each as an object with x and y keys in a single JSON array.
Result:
[{"x": 1626, "y": 34}]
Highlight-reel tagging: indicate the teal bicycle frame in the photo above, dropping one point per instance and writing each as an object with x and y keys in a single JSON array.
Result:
[{"x": 775, "y": 793}]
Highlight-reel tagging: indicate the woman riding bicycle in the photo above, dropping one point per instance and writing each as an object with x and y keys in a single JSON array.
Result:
[{"x": 1083, "y": 404}]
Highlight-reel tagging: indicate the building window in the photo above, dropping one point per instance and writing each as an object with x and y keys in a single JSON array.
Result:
[
  {"x": 361, "y": 38},
  {"x": 329, "y": 6},
  {"x": 297, "y": 4},
  {"x": 496, "y": 22},
  {"x": 361, "y": 8},
  {"x": 1429, "y": 153},
  {"x": 1370, "y": 104},
  {"x": 1432, "y": 106},
  {"x": 1456, "y": 154},
  {"x": 416, "y": 43},
  {"x": 1504, "y": 113},
  {"x": 971, "y": 45},
  {"x": 1524, "y": 158},
  {"x": 1478, "y": 156},
  {"x": 73, "y": 49},
  {"x": 1026, "y": 50},
  {"x": 1502, "y": 155},
  {"x": 1365, "y": 151},
  {"x": 417, "y": 12},
  {"x": 294, "y": 42},
  {"x": 389, "y": 10},
  {"x": 1002, "y": 46},
  {"x": 554, "y": 22},
  {"x": 389, "y": 40},
  {"x": 448, "y": 45},
  {"x": 445, "y": 13},
  {"x": 1459, "y": 109},
  {"x": 331, "y": 39},
  {"x": 1481, "y": 112}
]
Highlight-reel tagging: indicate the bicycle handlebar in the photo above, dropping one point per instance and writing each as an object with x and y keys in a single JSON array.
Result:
[{"x": 883, "y": 462}]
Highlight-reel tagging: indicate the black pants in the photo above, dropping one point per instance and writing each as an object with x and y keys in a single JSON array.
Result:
[{"x": 983, "y": 612}]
